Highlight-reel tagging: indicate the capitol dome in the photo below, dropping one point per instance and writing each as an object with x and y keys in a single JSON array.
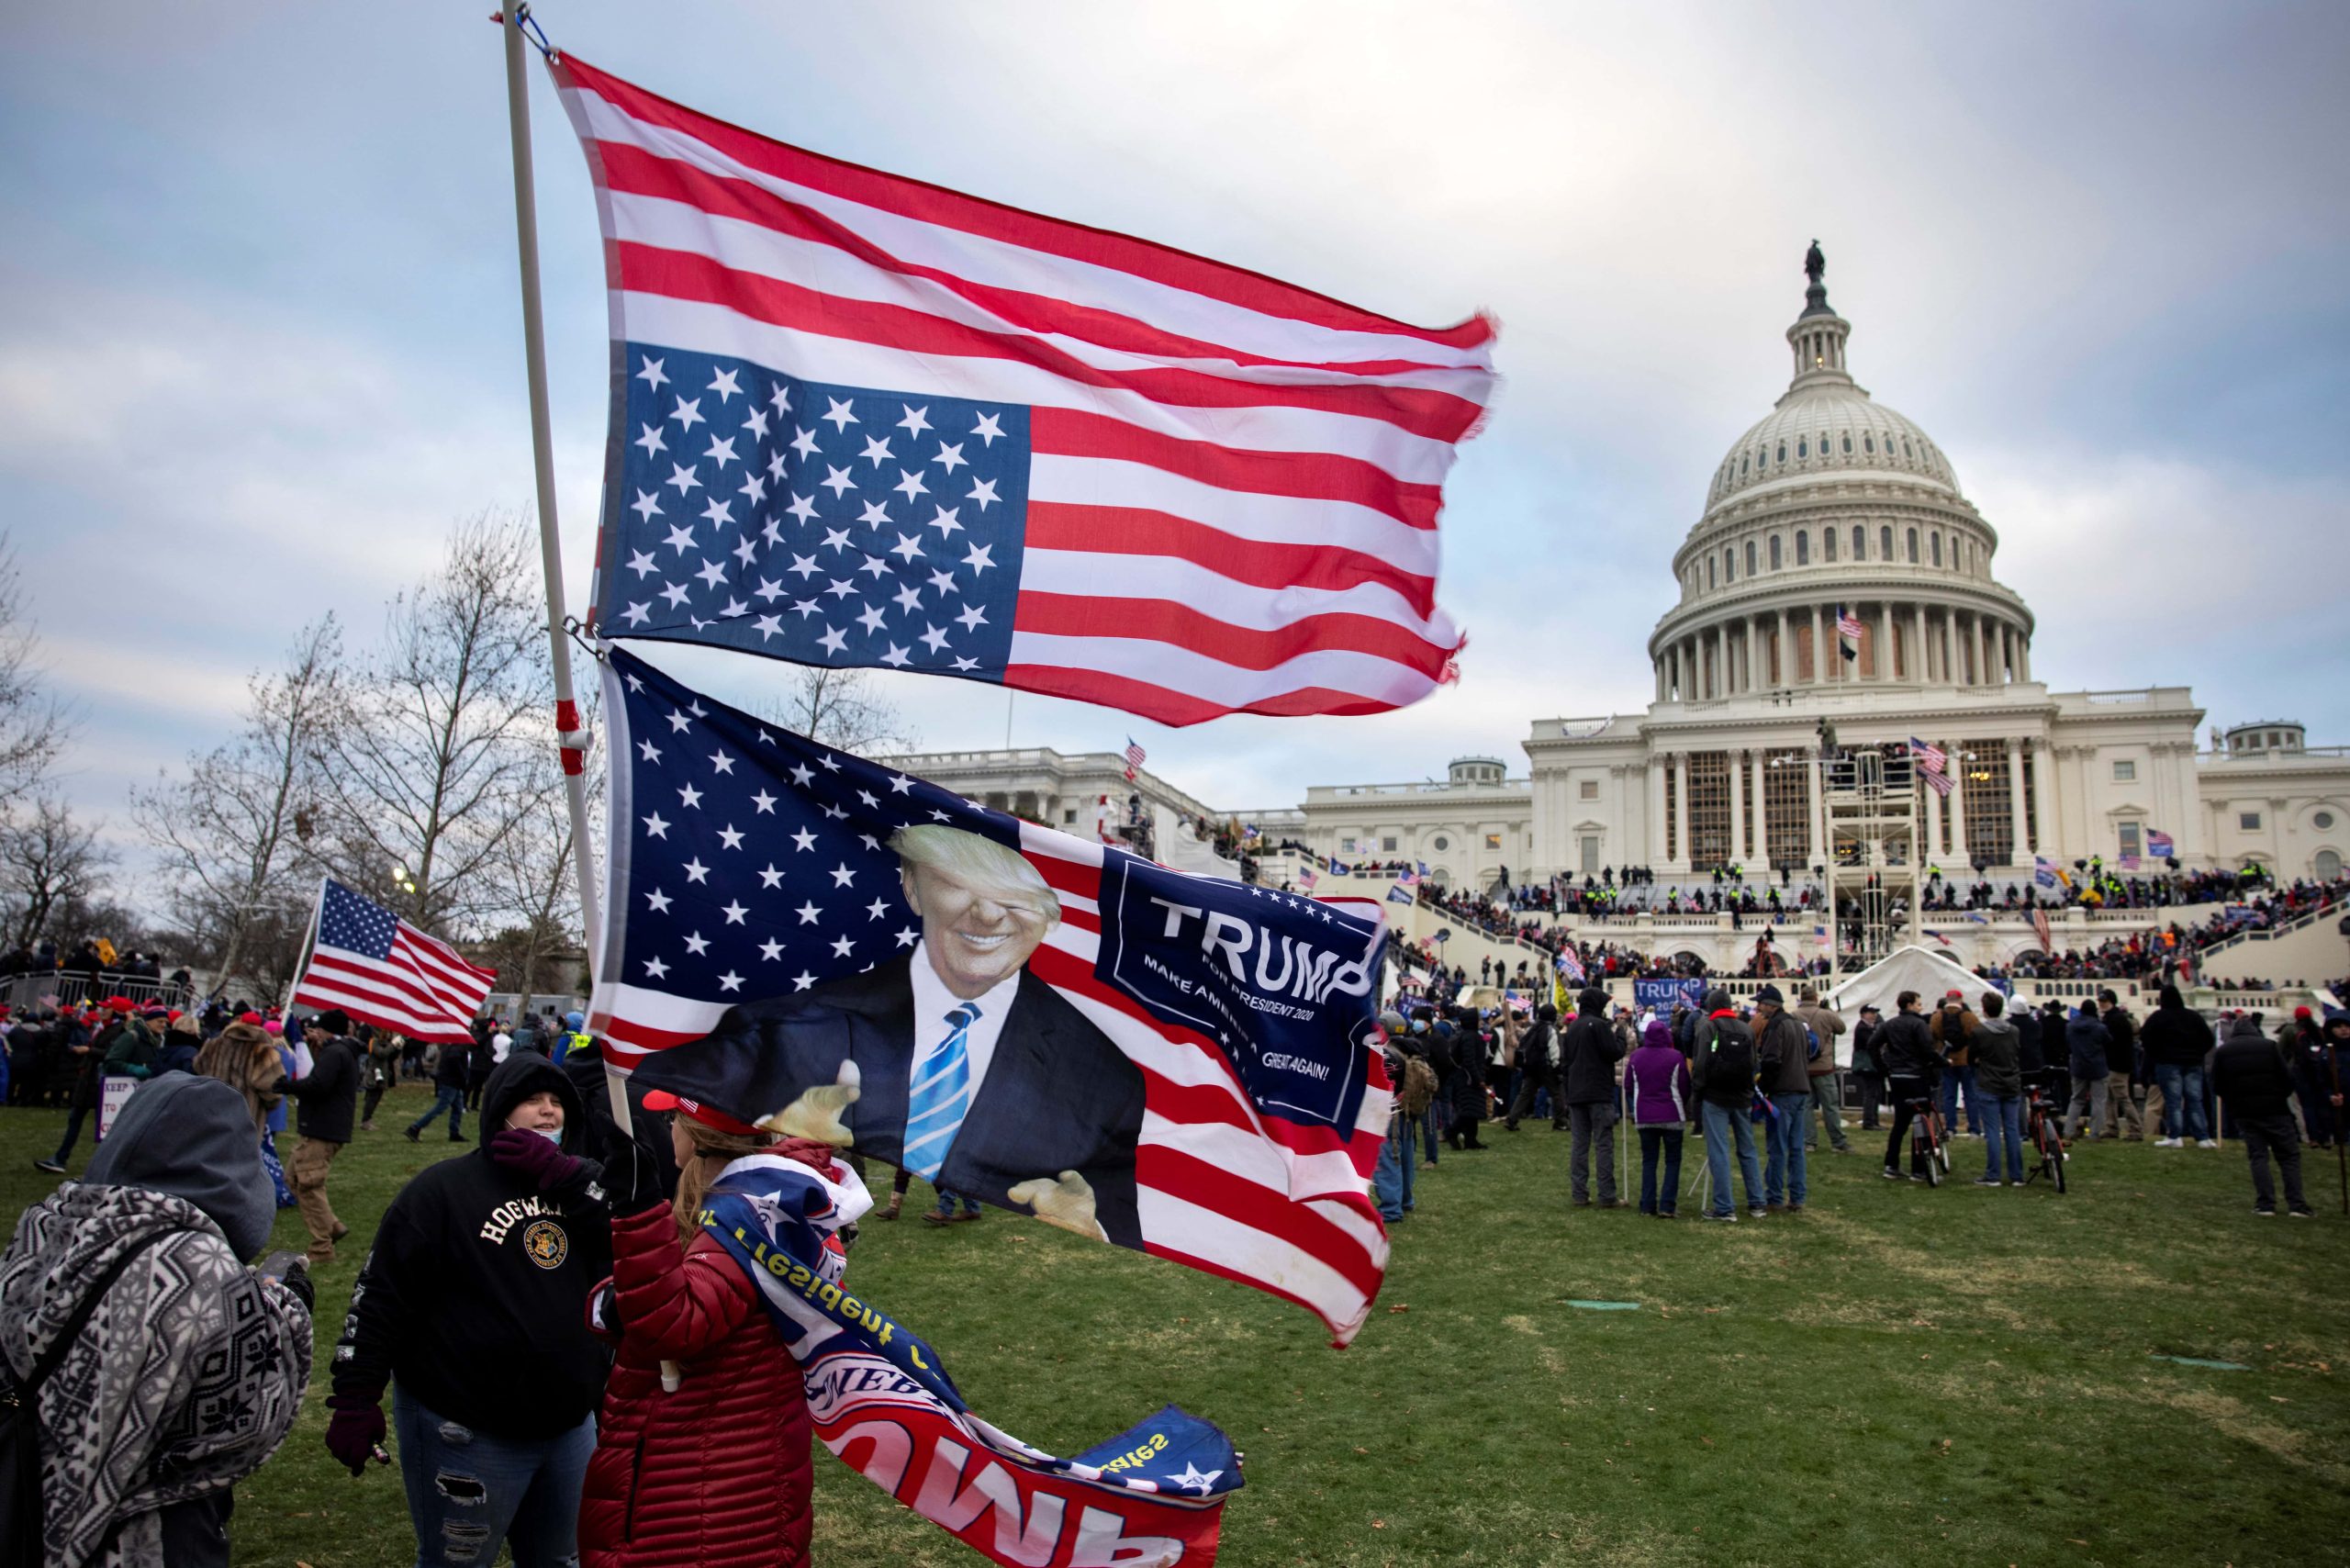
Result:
[{"x": 1833, "y": 506}]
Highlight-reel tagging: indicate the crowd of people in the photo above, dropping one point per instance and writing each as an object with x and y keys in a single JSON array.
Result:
[
  {"x": 525, "y": 1307},
  {"x": 1760, "y": 1082}
]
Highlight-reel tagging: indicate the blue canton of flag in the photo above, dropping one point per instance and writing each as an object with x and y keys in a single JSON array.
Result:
[
  {"x": 827, "y": 525},
  {"x": 735, "y": 890}
]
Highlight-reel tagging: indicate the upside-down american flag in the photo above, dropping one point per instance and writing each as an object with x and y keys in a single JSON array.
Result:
[
  {"x": 861, "y": 420},
  {"x": 377, "y": 967},
  {"x": 1848, "y": 632},
  {"x": 747, "y": 862},
  {"x": 1933, "y": 763}
]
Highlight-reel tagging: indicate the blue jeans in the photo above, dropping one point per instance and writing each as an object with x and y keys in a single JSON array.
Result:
[
  {"x": 1653, "y": 1141},
  {"x": 1785, "y": 1179},
  {"x": 468, "y": 1492},
  {"x": 1387, "y": 1182},
  {"x": 2182, "y": 1100},
  {"x": 948, "y": 1200},
  {"x": 1953, "y": 1079},
  {"x": 2003, "y": 1123},
  {"x": 1723, "y": 1125},
  {"x": 451, "y": 1100}
]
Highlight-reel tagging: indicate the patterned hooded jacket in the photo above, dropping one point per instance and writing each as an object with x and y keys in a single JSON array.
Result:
[{"x": 190, "y": 1372}]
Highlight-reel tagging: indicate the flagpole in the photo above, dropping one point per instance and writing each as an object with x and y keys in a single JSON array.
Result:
[{"x": 569, "y": 735}]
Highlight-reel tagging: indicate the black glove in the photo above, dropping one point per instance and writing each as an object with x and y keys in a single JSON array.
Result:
[
  {"x": 632, "y": 1179},
  {"x": 292, "y": 1270}
]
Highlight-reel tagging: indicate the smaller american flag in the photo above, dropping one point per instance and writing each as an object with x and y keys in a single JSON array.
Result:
[
  {"x": 1134, "y": 758},
  {"x": 1571, "y": 966},
  {"x": 1933, "y": 764},
  {"x": 1848, "y": 632},
  {"x": 378, "y": 967}
]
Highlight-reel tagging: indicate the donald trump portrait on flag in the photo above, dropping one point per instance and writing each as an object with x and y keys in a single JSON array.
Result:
[{"x": 951, "y": 1060}]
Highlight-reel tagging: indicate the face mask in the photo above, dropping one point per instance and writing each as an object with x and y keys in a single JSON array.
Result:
[{"x": 554, "y": 1137}]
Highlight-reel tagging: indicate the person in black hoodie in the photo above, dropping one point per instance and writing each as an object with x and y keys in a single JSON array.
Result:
[
  {"x": 327, "y": 1096},
  {"x": 1587, "y": 1056},
  {"x": 1912, "y": 1063},
  {"x": 2251, "y": 1077},
  {"x": 473, "y": 1305}
]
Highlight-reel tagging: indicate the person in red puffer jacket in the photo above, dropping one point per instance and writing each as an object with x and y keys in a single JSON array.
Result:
[{"x": 717, "y": 1471}]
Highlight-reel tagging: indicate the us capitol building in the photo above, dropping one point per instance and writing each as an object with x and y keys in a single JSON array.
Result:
[{"x": 1831, "y": 500}]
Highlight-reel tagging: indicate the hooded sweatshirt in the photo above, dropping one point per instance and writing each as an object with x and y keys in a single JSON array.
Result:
[
  {"x": 2248, "y": 1072},
  {"x": 190, "y": 1372},
  {"x": 474, "y": 1295},
  {"x": 1657, "y": 1079},
  {"x": 1998, "y": 1058}
]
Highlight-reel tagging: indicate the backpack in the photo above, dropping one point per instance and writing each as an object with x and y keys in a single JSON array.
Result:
[
  {"x": 1731, "y": 1062},
  {"x": 20, "y": 1504},
  {"x": 1420, "y": 1086}
]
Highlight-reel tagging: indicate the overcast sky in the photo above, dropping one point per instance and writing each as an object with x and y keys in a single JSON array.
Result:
[{"x": 260, "y": 340}]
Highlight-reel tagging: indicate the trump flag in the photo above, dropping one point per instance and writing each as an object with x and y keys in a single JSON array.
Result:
[
  {"x": 861, "y": 420},
  {"x": 1179, "y": 1064}
]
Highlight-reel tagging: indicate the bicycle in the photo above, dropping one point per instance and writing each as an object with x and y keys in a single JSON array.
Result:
[
  {"x": 1928, "y": 1151},
  {"x": 2040, "y": 1131}
]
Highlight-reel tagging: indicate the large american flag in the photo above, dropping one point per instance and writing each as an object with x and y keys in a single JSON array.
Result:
[
  {"x": 378, "y": 967},
  {"x": 1848, "y": 632},
  {"x": 748, "y": 861},
  {"x": 861, "y": 420}
]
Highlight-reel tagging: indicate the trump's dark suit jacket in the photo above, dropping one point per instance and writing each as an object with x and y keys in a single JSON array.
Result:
[{"x": 1058, "y": 1095}]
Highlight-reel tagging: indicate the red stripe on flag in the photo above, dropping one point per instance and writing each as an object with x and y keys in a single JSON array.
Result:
[
  {"x": 1181, "y": 626},
  {"x": 1236, "y": 1198},
  {"x": 1134, "y": 530},
  {"x": 974, "y": 215},
  {"x": 1171, "y": 707},
  {"x": 1309, "y": 475}
]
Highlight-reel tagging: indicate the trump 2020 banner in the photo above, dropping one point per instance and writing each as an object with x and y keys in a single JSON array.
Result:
[
  {"x": 860, "y": 420},
  {"x": 1183, "y": 1064},
  {"x": 881, "y": 1400}
]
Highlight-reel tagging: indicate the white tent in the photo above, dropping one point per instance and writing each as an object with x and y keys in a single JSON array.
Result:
[
  {"x": 1184, "y": 850},
  {"x": 1905, "y": 968}
]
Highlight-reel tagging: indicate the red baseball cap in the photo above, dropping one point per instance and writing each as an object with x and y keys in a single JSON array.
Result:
[{"x": 708, "y": 1115}]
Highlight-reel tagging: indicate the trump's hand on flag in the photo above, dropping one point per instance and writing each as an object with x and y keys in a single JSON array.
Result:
[
  {"x": 1067, "y": 1203},
  {"x": 817, "y": 1113}
]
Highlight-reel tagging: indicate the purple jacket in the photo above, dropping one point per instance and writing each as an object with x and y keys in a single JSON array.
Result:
[{"x": 1656, "y": 1081}]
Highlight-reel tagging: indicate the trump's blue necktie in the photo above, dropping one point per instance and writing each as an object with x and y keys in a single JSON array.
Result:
[{"x": 939, "y": 1096}]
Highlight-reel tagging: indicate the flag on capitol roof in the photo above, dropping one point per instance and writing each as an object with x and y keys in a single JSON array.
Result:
[{"x": 859, "y": 420}]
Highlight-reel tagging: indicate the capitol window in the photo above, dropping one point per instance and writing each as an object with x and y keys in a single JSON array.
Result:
[
  {"x": 1827, "y": 540},
  {"x": 1750, "y": 557},
  {"x": 1803, "y": 446},
  {"x": 1868, "y": 444},
  {"x": 1729, "y": 565},
  {"x": 1492, "y": 841},
  {"x": 2323, "y": 820},
  {"x": 1441, "y": 843},
  {"x": 1387, "y": 844},
  {"x": 2125, "y": 772},
  {"x": 1783, "y": 452},
  {"x": 1938, "y": 549},
  {"x": 1589, "y": 790},
  {"x": 1710, "y": 571},
  {"x": 2129, "y": 840},
  {"x": 1913, "y": 546},
  {"x": 2249, "y": 821},
  {"x": 1905, "y": 447},
  {"x": 1885, "y": 544},
  {"x": 1848, "y": 444},
  {"x": 1741, "y": 465},
  {"x": 1803, "y": 548}
]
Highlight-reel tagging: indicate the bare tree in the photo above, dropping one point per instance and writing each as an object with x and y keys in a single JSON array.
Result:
[
  {"x": 543, "y": 917},
  {"x": 47, "y": 862},
  {"x": 434, "y": 759},
  {"x": 230, "y": 835},
  {"x": 32, "y": 723},
  {"x": 839, "y": 707}
]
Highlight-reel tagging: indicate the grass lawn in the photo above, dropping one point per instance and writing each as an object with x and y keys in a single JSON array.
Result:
[{"x": 1900, "y": 1374}]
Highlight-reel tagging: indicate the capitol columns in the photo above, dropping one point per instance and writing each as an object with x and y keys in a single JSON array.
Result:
[
  {"x": 1760, "y": 760},
  {"x": 1680, "y": 805},
  {"x": 1655, "y": 855},
  {"x": 2015, "y": 802},
  {"x": 1813, "y": 767},
  {"x": 1737, "y": 808},
  {"x": 1958, "y": 804},
  {"x": 1819, "y": 667},
  {"x": 1934, "y": 820}
]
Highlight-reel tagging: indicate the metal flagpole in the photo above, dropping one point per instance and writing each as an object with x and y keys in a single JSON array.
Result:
[{"x": 569, "y": 737}]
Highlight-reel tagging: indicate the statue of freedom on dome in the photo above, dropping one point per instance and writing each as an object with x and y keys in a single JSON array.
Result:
[{"x": 1814, "y": 265}]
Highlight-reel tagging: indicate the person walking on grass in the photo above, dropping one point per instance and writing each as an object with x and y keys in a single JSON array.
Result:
[
  {"x": 2121, "y": 1061},
  {"x": 450, "y": 1076},
  {"x": 1722, "y": 1068},
  {"x": 326, "y": 1099},
  {"x": 1537, "y": 1066},
  {"x": 1589, "y": 1055},
  {"x": 1999, "y": 1079},
  {"x": 1657, "y": 1089},
  {"x": 1906, "y": 1046},
  {"x": 1783, "y": 1044},
  {"x": 2256, "y": 1082}
]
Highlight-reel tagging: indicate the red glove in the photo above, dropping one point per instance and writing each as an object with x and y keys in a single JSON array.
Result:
[
  {"x": 355, "y": 1428},
  {"x": 535, "y": 1159}
]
